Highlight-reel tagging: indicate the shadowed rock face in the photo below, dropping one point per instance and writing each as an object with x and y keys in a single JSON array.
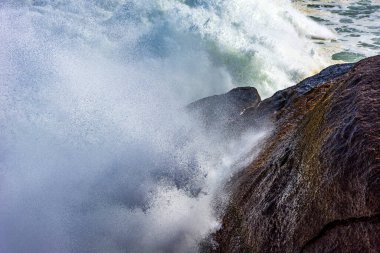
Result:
[
  {"x": 315, "y": 187},
  {"x": 219, "y": 111}
]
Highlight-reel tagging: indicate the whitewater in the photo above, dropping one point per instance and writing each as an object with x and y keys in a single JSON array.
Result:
[{"x": 97, "y": 153}]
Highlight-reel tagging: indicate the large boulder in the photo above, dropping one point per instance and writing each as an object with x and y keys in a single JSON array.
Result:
[{"x": 315, "y": 186}]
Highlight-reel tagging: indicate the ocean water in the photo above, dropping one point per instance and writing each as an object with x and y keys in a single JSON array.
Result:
[
  {"x": 356, "y": 24},
  {"x": 96, "y": 151}
]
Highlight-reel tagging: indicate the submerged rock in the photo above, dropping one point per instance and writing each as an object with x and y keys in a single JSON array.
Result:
[{"x": 315, "y": 186}]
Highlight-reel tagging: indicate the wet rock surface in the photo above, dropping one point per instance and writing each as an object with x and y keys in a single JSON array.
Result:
[{"x": 315, "y": 186}]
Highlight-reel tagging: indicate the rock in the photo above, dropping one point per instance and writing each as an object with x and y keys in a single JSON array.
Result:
[
  {"x": 217, "y": 112},
  {"x": 256, "y": 115},
  {"x": 315, "y": 186}
]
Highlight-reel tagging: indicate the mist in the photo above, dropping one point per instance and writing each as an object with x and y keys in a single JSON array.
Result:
[{"x": 97, "y": 153}]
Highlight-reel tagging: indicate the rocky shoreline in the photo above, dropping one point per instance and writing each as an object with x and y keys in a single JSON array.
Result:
[{"x": 315, "y": 186}]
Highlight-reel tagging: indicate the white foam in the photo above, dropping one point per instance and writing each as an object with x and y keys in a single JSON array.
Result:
[{"x": 95, "y": 149}]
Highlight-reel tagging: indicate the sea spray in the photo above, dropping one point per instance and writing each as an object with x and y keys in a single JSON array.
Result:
[{"x": 97, "y": 153}]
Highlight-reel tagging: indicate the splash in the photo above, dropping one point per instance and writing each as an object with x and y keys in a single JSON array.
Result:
[{"x": 97, "y": 153}]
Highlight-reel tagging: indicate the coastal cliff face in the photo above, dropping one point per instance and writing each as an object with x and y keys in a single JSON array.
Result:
[{"x": 315, "y": 186}]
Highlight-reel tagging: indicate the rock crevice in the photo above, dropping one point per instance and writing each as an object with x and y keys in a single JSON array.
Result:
[{"x": 375, "y": 219}]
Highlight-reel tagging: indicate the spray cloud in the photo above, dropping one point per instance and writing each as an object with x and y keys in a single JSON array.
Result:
[{"x": 96, "y": 151}]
